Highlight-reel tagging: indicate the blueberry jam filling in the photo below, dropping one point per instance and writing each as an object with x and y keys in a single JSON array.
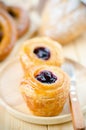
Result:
[
  {"x": 46, "y": 77},
  {"x": 42, "y": 53}
]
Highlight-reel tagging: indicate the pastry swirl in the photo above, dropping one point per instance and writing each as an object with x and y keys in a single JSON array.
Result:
[
  {"x": 19, "y": 16},
  {"x": 45, "y": 97},
  {"x": 8, "y": 34},
  {"x": 41, "y": 51},
  {"x": 21, "y": 19}
]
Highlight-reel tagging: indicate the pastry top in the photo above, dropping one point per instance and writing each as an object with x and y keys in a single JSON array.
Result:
[
  {"x": 45, "y": 82},
  {"x": 63, "y": 20},
  {"x": 41, "y": 50}
]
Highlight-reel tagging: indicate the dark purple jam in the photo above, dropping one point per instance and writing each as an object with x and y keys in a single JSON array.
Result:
[
  {"x": 46, "y": 77},
  {"x": 42, "y": 53}
]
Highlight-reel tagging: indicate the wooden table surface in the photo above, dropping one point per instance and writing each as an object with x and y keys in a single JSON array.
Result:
[{"x": 76, "y": 51}]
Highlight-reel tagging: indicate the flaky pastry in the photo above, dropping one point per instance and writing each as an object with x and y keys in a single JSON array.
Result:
[
  {"x": 45, "y": 90},
  {"x": 41, "y": 50}
]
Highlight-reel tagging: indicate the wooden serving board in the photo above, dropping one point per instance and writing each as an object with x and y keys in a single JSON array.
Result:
[{"x": 10, "y": 98}]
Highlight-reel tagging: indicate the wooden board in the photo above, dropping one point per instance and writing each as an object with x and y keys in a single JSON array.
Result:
[{"x": 10, "y": 97}]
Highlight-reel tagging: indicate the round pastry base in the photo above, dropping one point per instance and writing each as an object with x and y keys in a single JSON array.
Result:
[{"x": 10, "y": 77}]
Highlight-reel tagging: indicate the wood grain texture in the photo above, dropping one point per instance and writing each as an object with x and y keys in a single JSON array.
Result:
[
  {"x": 12, "y": 123},
  {"x": 76, "y": 112}
]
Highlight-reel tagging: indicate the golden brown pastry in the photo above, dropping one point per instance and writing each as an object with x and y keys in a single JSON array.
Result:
[
  {"x": 8, "y": 34},
  {"x": 41, "y": 50},
  {"x": 63, "y": 20},
  {"x": 45, "y": 90},
  {"x": 21, "y": 18}
]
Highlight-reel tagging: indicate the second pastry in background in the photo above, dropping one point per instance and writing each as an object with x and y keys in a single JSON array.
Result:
[
  {"x": 20, "y": 17},
  {"x": 63, "y": 20}
]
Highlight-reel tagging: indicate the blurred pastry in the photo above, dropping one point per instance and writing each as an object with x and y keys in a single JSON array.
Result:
[
  {"x": 45, "y": 90},
  {"x": 63, "y": 20},
  {"x": 41, "y": 50},
  {"x": 21, "y": 18},
  {"x": 8, "y": 34}
]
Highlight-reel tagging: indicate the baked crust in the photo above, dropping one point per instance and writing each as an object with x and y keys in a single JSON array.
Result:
[
  {"x": 45, "y": 99},
  {"x": 9, "y": 33}
]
